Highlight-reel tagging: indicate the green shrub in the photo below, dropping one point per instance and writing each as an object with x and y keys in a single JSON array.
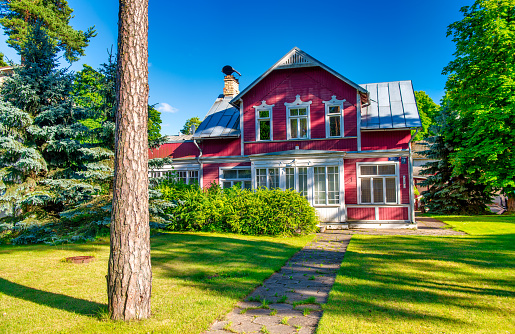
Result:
[{"x": 242, "y": 211}]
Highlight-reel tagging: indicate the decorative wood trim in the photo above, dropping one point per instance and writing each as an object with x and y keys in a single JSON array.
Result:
[
  {"x": 241, "y": 128},
  {"x": 358, "y": 120}
]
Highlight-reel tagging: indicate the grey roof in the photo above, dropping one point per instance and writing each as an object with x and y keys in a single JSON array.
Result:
[
  {"x": 222, "y": 120},
  {"x": 293, "y": 59},
  {"x": 392, "y": 106}
]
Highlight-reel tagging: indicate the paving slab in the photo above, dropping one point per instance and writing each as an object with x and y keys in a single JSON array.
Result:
[{"x": 308, "y": 274}]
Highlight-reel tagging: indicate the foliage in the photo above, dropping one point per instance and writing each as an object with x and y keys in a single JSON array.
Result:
[
  {"x": 428, "y": 111},
  {"x": 186, "y": 129},
  {"x": 95, "y": 89},
  {"x": 481, "y": 88},
  {"x": 261, "y": 211},
  {"x": 17, "y": 16},
  {"x": 449, "y": 193},
  {"x": 2, "y": 61}
]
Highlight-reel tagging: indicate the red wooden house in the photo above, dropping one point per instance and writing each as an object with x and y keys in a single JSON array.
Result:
[{"x": 303, "y": 126}]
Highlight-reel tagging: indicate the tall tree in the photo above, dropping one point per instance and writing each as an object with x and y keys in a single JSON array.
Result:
[
  {"x": 2, "y": 61},
  {"x": 16, "y": 16},
  {"x": 447, "y": 192},
  {"x": 481, "y": 88},
  {"x": 46, "y": 165},
  {"x": 428, "y": 111},
  {"x": 129, "y": 279},
  {"x": 186, "y": 129}
]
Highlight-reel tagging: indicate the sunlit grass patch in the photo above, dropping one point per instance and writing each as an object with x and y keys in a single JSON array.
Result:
[
  {"x": 415, "y": 284},
  {"x": 197, "y": 278}
]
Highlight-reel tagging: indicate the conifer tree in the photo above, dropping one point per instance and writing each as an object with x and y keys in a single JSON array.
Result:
[
  {"x": 42, "y": 133},
  {"x": 449, "y": 193},
  {"x": 17, "y": 16}
]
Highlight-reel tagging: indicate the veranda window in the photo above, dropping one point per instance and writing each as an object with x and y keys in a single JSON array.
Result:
[
  {"x": 267, "y": 177},
  {"x": 297, "y": 179},
  {"x": 327, "y": 185},
  {"x": 238, "y": 177},
  {"x": 378, "y": 183}
]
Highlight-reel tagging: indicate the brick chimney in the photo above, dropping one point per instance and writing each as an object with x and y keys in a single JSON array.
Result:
[{"x": 232, "y": 86}]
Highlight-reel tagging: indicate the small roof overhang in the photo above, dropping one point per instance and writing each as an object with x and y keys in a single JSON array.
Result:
[{"x": 392, "y": 106}]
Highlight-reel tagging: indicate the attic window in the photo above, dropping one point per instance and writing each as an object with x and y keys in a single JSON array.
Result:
[
  {"x": 263, "y": 121},
  {"x": 334, "y": 117},
  {"x": 298, "y": 125}
]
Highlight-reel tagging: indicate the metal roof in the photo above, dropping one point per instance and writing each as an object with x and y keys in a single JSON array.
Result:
[
  {"x": 294, "y": 59},
  {"x": 222, "y": 120},
  {"x": 392, "y": 106}
]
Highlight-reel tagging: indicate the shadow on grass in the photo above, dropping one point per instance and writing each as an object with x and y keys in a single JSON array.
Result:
[
  {"x": 229, "y": 266},
  {"x": 54, "y": 300},
  {"x": 425, "y": 278}
]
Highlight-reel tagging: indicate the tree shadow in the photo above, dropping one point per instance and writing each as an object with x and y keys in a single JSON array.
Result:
[
  {"x": 54, "y": 300},
  {"x": 459, "y": 274}
]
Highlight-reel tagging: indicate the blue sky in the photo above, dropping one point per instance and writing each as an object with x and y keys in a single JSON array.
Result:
[{"x": 190, "y": 42}]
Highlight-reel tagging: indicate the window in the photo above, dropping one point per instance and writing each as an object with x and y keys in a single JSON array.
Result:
[
  {"x": 378, "y": 183},
  {"x": 297, "y": 179},
  {"x": 297, "y": 113},
  {"x": 327, "y": 185},
  {"x": 334, "y": 117},
  {"x": 238, "y": 177},
  {"x": 184, "y": 176},
  {"x": 264, "y": 121},
  {"x": 267, "y": 177},
  {"x": 187, "y": 176}
]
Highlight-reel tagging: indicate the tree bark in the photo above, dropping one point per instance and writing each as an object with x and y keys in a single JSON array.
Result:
[
  {"x": 511, "y": 204},
  {"x": 129, "y": 278}
]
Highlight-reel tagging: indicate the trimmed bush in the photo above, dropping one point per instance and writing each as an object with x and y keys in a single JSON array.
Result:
[{"x": 255, "y": 212}]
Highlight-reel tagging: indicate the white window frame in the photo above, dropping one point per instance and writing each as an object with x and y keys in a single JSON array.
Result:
[
  {"x": 279, "y": 175},
  {"x": 221, "y": 180},
  {"x": 327, "y": 186},
  {"x": 396, "y": 176},
  {"x": 264, "y": 107},
  {"x": 334, "y": 102},
  {"x": 298, "y": 104}
]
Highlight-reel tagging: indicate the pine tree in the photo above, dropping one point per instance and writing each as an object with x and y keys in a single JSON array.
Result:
[
  {"x": 17, "y": 16},
  {"x": 448, "y": 193},
  {"x": 41, "y": 128}
]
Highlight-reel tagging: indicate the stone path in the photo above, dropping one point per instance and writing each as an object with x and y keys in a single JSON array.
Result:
[
  {"x": 289, "y": 301},
  {"x": 426, "y": 226}
]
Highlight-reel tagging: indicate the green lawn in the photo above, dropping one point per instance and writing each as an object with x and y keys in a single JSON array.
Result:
[
  {"x": 414, "y": 284},
  {"x": 196, "y": 279}
]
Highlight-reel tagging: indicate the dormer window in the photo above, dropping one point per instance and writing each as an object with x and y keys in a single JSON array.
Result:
[
  {"x": 334, "y": 117},
  {"x": 263, "y": 121},
  {"x": 297, "y": 114}
]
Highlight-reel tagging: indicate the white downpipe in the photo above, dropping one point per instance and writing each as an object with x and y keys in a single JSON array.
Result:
[{"x": 411, "y": 182}]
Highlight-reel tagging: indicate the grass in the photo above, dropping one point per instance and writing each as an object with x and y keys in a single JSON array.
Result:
[
  {"x": 421, "y": 284},
  {"x": 197, "y": 278}
]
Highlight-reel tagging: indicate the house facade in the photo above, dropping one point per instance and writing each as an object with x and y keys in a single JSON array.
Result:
[{"x": 303, "y": 126}]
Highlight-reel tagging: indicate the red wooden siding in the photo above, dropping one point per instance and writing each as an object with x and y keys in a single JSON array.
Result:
[
  {"x": 312, "y": 84},
  {"x": 329, "y": 145},
  {"x": 211, "y": 172},
  {"x": 351, "y": 183},
  {"x": 385, "y": 140},
  {"x": 174, "y": 150},
  {"x": 220, "y": 147},
  {"x": 399, "y": 213},
  {"x": 361, "y": 214}
]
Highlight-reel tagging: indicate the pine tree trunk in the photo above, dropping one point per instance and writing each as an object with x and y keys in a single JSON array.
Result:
[{"x": 129, "y": 279}]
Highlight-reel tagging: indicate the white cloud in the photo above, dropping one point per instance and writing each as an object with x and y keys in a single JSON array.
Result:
[
  {"x": 165, "y": 107},
  {"x": 165, "y": 125}
]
